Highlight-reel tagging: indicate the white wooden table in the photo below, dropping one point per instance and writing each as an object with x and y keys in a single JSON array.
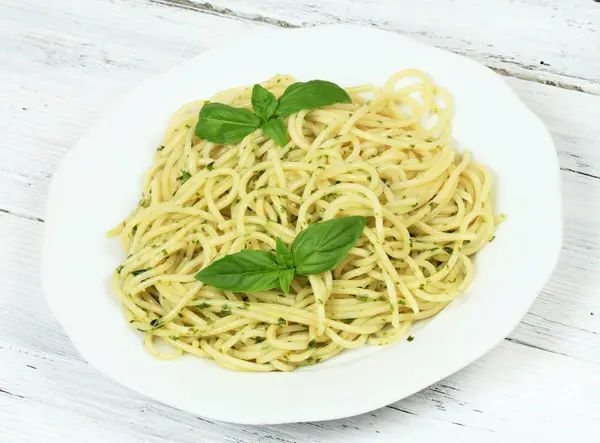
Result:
[{"x": 61, "y": 64}]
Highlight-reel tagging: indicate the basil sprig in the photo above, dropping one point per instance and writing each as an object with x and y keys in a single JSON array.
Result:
[
  {"x": 221, "y": 123},
  {"x": 317, "y": 249}
]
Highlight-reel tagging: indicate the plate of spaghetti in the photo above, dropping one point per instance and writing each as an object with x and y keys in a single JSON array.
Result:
[{"x": 309, "y": 237}]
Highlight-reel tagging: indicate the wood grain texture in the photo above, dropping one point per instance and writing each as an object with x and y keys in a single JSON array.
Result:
[
  {"x": 63, "y": 62},
  {"x": 71, "y": 403},
  {"x": 549, "y": 41}
]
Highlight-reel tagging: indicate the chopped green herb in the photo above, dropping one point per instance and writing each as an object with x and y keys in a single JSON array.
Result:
[
  {"x": 174, "y": 337},
  {"x": 134, "y": 230},
  {"x": 492, "y": 238},
  {"x": 312, "y": 344},
  {"x": 210, "y": 166},
  {"x": 203, "y": 305},
  {"x": 225, "y": 309},
  {"x": 164, "y": 252},
  {"x": 422, "y": 286},
  {"x": 138, "y": 272},
  {"x": 119, "y": 269},
  {"x": 410, "y": 338},
  {"x": 282, "y": 321},
  {"x": 185, "y": 176},
  {"x": 320, "y": 301},
  {"x": 160, "y": 148},
  {"x": 448, "y": 250}
]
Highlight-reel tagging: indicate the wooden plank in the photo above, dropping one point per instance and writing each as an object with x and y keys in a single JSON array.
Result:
[{"x": 551, "y": 41}]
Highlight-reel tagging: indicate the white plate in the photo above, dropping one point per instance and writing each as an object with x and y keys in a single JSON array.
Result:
[{"x": 99, "y": 182}]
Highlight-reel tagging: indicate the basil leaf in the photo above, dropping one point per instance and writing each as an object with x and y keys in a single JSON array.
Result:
[
  {"x": 221, "y": 123},
  {"x": 321, "y": 246},
  {"x": 264, "y": 102},
  {"x": 310, "y": 95},
  {"x": 284, "y": 255},
  {"x": 245, "y": 271},
  {"x": 285, "y": 277},
  {"x": 275, "y": 129}
]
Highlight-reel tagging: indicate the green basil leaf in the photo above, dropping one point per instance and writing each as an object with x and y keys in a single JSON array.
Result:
[
  {"x": 264, "y": 102},
  {"x": 245, "y": 271},
  {"x": 285, "y": 277},
  {"x": 310, "y": 95},
  {"x": 275, "y": 129},
  {"x": 321, "y": 246},
  {"x": 221, "y": 123},
  {"x": 284, "y": 255}
]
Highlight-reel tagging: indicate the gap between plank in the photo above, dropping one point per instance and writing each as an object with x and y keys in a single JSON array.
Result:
[
  {"x": 207, "y": 8},
  {"x": 26, "y": 217}
]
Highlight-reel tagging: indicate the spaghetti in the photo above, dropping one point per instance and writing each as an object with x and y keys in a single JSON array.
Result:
[{"x": 388, "y": 156}]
